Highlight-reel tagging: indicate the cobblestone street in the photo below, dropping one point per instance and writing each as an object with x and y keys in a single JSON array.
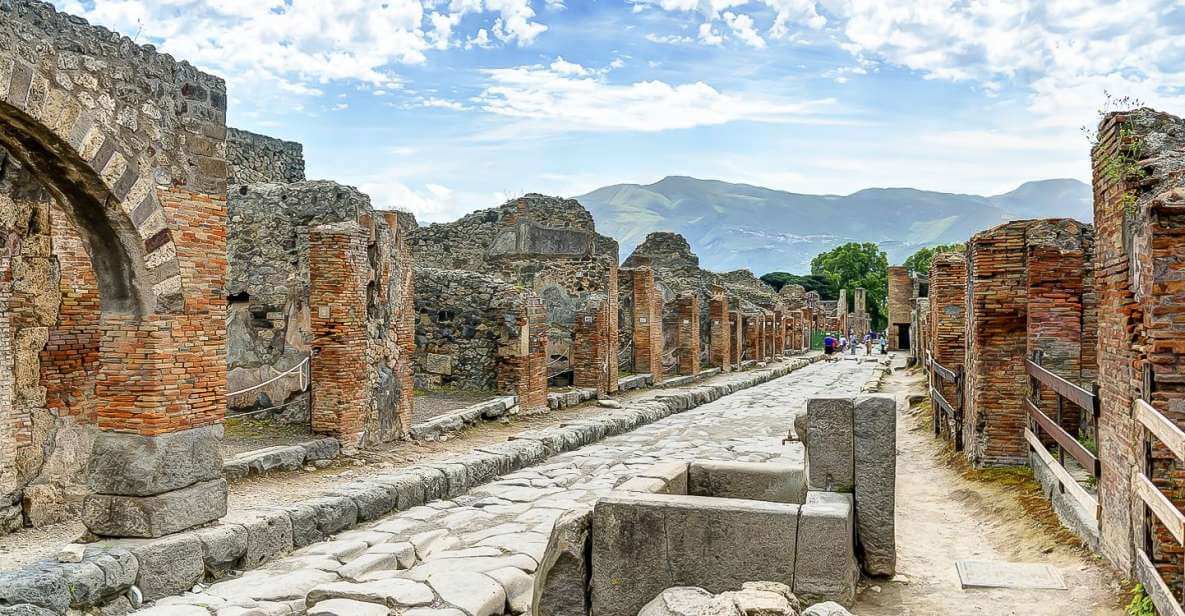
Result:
[{"x": 477, "y": 552}]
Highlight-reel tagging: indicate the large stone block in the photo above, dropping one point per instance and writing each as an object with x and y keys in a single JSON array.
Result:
[
  {"x": 875, "y": 430},
  {"x": 561, "y": 581},
  {"x": 155, "y": 516},
  {"x": 134, "y": 465},
  {"x": 775, "y": 483},
  {"x": 643, "y": 544},
  {"x": 269, "y": 534},
  {"x": 830, "y": 444},
  {"x": 169, "y": 566},
  {"x": 825, "y": 567}
]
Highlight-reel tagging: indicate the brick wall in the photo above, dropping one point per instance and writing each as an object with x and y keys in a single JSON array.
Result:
[
  {"x": 1056, "y": 258},
  {"x": 687, "y": 306},
  {"x": 594, "y": 351},
  {"x": 996, "y": 318},
  {"x": 948, "y": 309},
  {"x": 524, "y": 371},
  {"x": 736, "y": 338},
  {"x": 721, "y": 342},
  {"x": 70, "y": 359},
  {"x": 900, "y": 304},
  {"x": 648, "y": 339},
  {"x": 1139, "y": 261},
  {"x": 338, "y": 276}
]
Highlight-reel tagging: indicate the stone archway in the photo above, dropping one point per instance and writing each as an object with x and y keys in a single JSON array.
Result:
[{"x": 130, "y": 144}]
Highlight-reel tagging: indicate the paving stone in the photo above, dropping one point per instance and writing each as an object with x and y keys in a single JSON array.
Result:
[
  {"x": 531, "y": 544},
  {"x": 518, "y": 586},
  {"x": 262, "y": 586},
  {"x": 169, "y": 566},
  {"x": 345, "y": 607},
  {"x": 357, "y": 568},
  {"x": 269, "y": 534},
  {"x": 341, "y": 550},
  {"x": 404, "y": 551},
  {"x": 390, "y": 592},
  {"x": 475, "y": 593}
]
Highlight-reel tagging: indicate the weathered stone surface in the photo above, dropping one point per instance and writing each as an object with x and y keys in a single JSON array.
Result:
[
  {"x": 321, "y": 449},
  {"x": 776, "y": 483},
  {"x": 222, "y": 547},
  {"x": 875, "y": 432},
  {"x": 518, "y": 586},
  {"x": 673, "y": 474},
  {"x": 827, "y": 608},
  {"x": 752, "y": 602},
  {"x": 346, "y": 607},
  {"x": 133, "y": 465},
  {"x": 392, "y": 592},
  {"x": 825, "y": 567},
  {"x": 689, "y": 601},
  {"x": 269, "y": 534},
  {"x": 562, "y": 579},
  {"x": 169, "y": 566},
  {"x": 830, "y": 444},
  {"x": 475, "y": 593},
  {"x": 155, "y": 516},
  {"x": 266, "y": 585},
  {"x": 25, "y": 610},
  {"x": 269, "y": 459},
  {"x": 643, "y": 544}
]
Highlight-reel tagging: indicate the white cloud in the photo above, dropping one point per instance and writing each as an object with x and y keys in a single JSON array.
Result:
[
  {"x": 709, "y": 36},
  {"x": 1062, "y": 53},
  {"x": 669, "y": 39},
  {"x": 296, "y": 46},
  {"x": 441, "y": 103},
  {"x": 575, "y": 100},
  {"x": 742, "y": 27}
]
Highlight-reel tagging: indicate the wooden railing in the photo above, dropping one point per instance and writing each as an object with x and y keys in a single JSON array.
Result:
[
  {"x": 1155, "y": 503},
  {"x": 943, "y": 408},
  {"x": 1066, "y": 443}
]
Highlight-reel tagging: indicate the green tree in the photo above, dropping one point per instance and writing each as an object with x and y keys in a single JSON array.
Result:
[
  {"x": 810, "y": 282},
  {"x": 920, "y": 261},
  {"x": 858, "y": 265}
]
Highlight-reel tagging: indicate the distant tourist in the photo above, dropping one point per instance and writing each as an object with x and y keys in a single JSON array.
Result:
[{"x": 828, "y": 345}]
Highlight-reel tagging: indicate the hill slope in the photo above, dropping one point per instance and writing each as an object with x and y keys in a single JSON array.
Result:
[{"x": 737, "y": 225}]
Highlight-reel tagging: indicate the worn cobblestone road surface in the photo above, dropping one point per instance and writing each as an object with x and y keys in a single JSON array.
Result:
[{"x": 477, "y": 553}]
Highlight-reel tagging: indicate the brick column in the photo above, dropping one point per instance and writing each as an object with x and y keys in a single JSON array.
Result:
[
  {"x": 996, "y": 317},
  {"x": 736, "y": 338},
  {"x": 338, "y": 277},
  {"x": 523, "y": 370},
  {"x": 687, "y": 308},
  {"x": 647, "y": 324},
  {"x": 900, "y": 296},
  {"x": 160, "y": 392},
  {"x": 1139, "y": 262},
  {"x": 948, "y": 309},
  {"x": 614, "y": 327},
  {"x": 1056, "y": 260},
  {"x": 592, "y": 352},
  {"x": 720, "y": 345}
]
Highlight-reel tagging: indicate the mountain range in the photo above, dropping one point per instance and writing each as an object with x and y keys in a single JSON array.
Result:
[{"x": 731, "y": 226}]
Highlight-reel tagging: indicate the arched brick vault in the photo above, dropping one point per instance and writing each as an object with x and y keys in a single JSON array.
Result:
[{"x": 130, "y": 143}]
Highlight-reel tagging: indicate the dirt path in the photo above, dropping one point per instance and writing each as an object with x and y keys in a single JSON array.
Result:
[{"x": 947, "y": 513}]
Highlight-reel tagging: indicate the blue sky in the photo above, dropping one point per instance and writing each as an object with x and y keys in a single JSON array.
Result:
[{"x": 445, "y": 106}]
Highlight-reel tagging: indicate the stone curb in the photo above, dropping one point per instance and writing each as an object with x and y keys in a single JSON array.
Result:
[
  {"x": 115, "y": 571},
  {"x": 468, "y": 416},
  {"x": 280, "y": 458}
]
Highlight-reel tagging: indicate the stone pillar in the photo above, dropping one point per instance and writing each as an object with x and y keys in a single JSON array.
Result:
[
  {"x": 948, "y": 308},
  {"x": 592, "y": 352},
  {"x": 687, "y": 307},
  {"x": 647, "y": 324},
  {"x": 614, "y": 326},
  {"x": 841, "y": 312},
  {"x": 338, "y": 271},
  {"x": 721, "y": 328},
  {"x": 779, "y": 332},
  {"x": 160, "y": 392},
  {"x": 737, "y": 337},
  {"x": 900, "y": 308}
]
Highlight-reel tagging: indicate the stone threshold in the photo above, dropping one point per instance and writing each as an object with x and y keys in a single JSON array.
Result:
[
  {"x": 318, "y": 452},
  {"x": 120, "y": 574}
]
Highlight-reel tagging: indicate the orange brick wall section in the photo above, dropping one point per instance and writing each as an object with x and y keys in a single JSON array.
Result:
[
  {"x": 338, "y": 278},
  {"x": 687, "y": 307},
  {"x": 720, "y": 344},
  {"x": 164, "y": 373},
  {"x": 648, "y": 339},
  {"x": 524, "y": 373},
  {"x": 70, "y": 359},
  {"x": 948, "y": 311},
  {"x": 594, "y": 352}
]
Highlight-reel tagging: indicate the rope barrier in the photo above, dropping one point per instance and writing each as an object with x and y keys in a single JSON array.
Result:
[{"x": 304, "y": 379}]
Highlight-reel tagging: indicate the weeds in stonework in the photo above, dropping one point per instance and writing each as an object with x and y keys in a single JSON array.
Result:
[
  {"x": 1124, "y": 165},
  {"x": 1141, "y": 603}
]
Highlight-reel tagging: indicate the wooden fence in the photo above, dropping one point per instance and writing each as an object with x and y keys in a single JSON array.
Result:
[{"x": 943, "y": 409}]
